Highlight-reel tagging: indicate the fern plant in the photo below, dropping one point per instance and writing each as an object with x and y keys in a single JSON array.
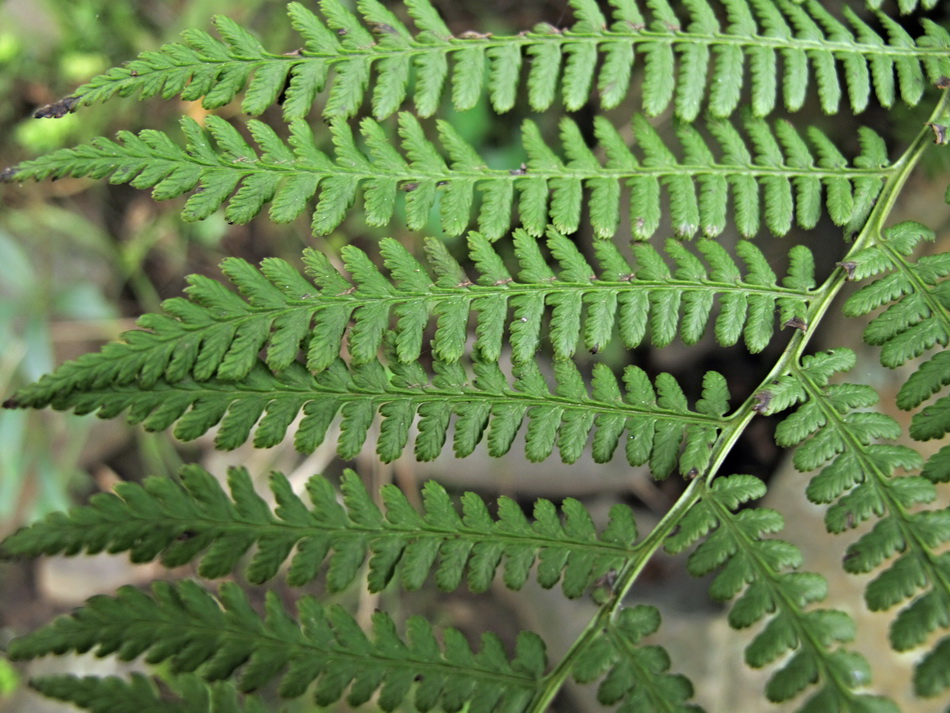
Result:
[{"x": 359, "y": 338}]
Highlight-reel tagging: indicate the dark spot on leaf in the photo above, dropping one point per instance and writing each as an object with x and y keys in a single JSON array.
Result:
[
  {"x": 341, "y": 32},
  {"x": 796, "y": 323},
  {"x": 441, "y": 183},
  {"x": 12, "y": 403},
  {"x": 595, "y": 348},
  {"x": 57, "y": 110},
  {"x": 407, "y": 187},
  {"x": 943, "y": 83},
  {"x": 382, "y": 28},
  {"x": 607, "y": 580},
  {"x": 762, "y": 401},
  {"x": 849, "y": 266},
  {"x": 692, "y": 474}
]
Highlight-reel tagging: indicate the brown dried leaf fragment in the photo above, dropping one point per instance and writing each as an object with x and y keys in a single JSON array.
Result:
[
  {"x": 57, "y": 110},
  {"x": 849, "y": 267},
  {"x": 940, "y": 133},
  {"x": 796, "y": 323}
]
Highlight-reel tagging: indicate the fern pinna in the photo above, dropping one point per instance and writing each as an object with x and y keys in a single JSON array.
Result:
[{"x": 512, "y": 338}]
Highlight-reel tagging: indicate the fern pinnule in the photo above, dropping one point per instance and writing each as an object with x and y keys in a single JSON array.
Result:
[
  {"x": 857, "y": 479},
  {"x": 195, "y": 521},
  {"x": 218, "y": 638},
  {"x": 595, "y": 53},
  {"x": 787, "y": 169}
]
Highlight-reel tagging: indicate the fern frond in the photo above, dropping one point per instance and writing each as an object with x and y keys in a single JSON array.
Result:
[
  {"x": 656, "y": 418},
  {"x": 857, "y": 479},
  {"x": 773, "y": 172},
  {"x": 195, "y": 521},
  {"x": 755, "y": 566},
  {"x": 634, "y": 675},
  {"x": 219, "y": 333},
  {"x": 110, "y": 694},
  {"x": 217, "y": 638},
  {"x": 344, "y": 54}
]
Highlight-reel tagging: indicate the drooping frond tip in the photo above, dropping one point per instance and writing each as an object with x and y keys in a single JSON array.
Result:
[{"x": 699, "y": 56}]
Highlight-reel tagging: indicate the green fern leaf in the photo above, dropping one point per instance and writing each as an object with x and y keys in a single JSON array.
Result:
[
  {"x": 917, "y": 317},
  {"x": 636, "y": 675},
  {"x": 194, "y": 520},
  {"x": 108, "y": 694},
  {"x": 216, "y": 334},
  {"x": 751, "y": 568},
  {"x": 857, "y": 479},
  {"x": 232, "y": 173},
  {"x": 216, "y": 71},
  {"x": 658, "y": 426},
  {"x": 184, "y": 625}
]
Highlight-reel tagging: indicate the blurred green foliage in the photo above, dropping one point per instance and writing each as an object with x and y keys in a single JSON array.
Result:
[{"x": 67, "y": 279}]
